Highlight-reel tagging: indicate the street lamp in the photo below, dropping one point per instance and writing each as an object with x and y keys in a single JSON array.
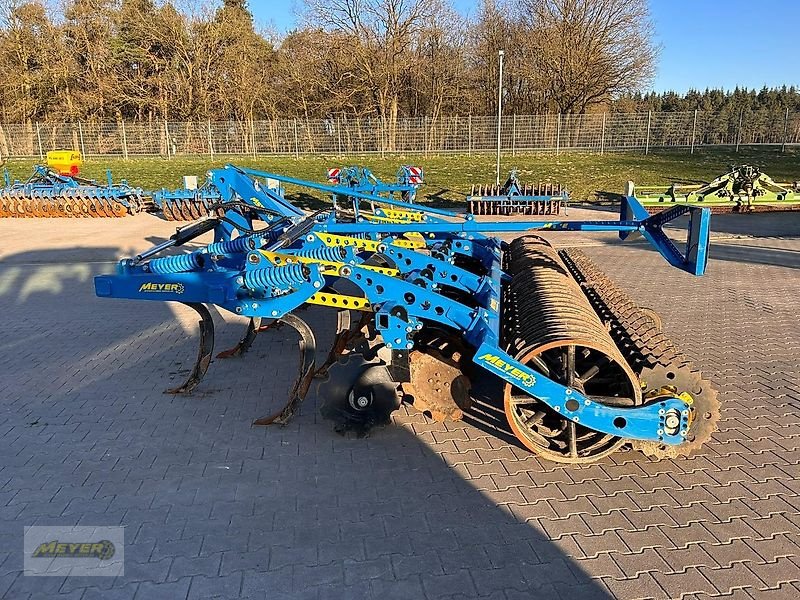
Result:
[{"x": 500, "y": 53}]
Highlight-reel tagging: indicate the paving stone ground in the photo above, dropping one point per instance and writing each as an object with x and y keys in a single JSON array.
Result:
[{"x": 214, "y": 508}]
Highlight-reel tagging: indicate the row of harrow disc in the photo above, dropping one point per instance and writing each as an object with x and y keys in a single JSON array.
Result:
[
  {"x": 72, "y": 205},
  {"x": 187, "y": 210}
]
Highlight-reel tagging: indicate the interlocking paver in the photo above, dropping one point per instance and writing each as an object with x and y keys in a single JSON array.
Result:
[{"x": 215, "y": 508}]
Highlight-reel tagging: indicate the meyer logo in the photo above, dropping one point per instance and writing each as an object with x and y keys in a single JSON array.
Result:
[
  {"x": 524, "y": 379},
  {"x": 104, "y": 550},
  {"x": 171, "y": 288}
]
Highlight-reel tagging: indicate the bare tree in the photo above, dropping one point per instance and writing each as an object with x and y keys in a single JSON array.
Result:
[
  {"x": 381, "y": 33},
  {"x": 584, "y": 52}
]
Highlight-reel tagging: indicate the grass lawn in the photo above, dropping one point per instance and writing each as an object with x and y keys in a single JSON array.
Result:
[{"x": 448, "y": 177}]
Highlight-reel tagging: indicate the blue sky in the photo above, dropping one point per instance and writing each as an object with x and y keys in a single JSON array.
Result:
[{"x": 704, "y": 43}]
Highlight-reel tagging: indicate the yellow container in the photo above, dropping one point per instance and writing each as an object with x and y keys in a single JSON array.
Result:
[{"x": 66, "y": 162}]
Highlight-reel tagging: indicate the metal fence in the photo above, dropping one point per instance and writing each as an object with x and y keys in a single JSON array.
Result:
[{"x": 597, "y": 132}]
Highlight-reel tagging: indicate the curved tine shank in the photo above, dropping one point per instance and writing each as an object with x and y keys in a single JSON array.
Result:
[
  {"x": 253, "y": 327},
  {"x": 308, "y": 351},
  {"x": 340, "y": 341},
  {"x": 206, "y": 349}
]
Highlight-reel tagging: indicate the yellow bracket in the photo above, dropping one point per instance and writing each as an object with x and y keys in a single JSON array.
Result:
[
  {"x": 399, "y": 216},
  {"x": 330, "y": 239},
  {"x": 328, "y": 266},
  {"x": 340, "y": 301}
]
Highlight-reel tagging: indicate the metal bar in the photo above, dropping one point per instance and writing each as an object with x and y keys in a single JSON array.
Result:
[
  {"x": 296, "y": 141},
  {"x": 694, "y": 128},
  {"x": 80, "y": 133},
  {"x": 469, "y": 135},
  {"x": 253, "y": 137},
  {"x": 603, "y": 135},
  {"x": 558, "y": 135},
  {"x": 339, "y": 132},
  {"x": 647, "y": 141},
  {"x": 39, "y": 138},
  {"x": 514, "y": 135},
  {"x": 499, "y": 113},
  {"x": 124, "y": 142}
]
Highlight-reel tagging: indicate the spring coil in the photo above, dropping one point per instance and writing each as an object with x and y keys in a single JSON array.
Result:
[
  {"x": 240, "y": 244},
  {"x": 276, "y": 277},
  {"x": 328, "y": 253},
  {"x": 176, "y": 264}
]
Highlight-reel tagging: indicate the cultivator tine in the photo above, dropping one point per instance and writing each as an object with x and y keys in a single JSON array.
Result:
[
  {"x": 347, "y": 332},
  {"x": 308, "y": 349},
  {"x": 205, "y": 350},
  {"x": 254, "y": 327}
]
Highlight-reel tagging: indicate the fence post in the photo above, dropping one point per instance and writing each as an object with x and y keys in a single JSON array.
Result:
[
  {"x": 603, "y": 135},
  {"x": 425, "y": 134},
  {"x": 210, "y": 142},
  {"x": 739, "y": 132},
  {"x": 558, "y": 134},
  {"x": 647, "y": 140},
  {"x": 80, "y": 135},
  {"x": 694, "y": 129},
  {"x": 785, "y": 130},
  {"x": 167, "y": 141},
  {"x": 124, "y": 142},
  {"x": 469, "y": 134},
  {"x": 253, "y": 137},
  {"x": 514, "y": 135},
  {"x": 39, "y": 138},
  {"x": 339, "y": 132},
  {"x": 296, "y": 141}
]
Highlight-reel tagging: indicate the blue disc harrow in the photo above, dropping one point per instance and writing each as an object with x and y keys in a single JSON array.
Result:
[
  {"x": 432, "y": 309},
  {"x": 47, "y": 193}
]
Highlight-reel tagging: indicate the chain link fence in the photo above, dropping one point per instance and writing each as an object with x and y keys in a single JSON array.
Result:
[{"x": 609, "y": 132}]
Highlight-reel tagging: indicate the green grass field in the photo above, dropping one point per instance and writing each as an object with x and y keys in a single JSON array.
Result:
[{"x": 448, "y": 177}]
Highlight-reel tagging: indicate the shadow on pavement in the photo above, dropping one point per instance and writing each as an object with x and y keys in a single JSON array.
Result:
[{"x": 215, "y": 507}]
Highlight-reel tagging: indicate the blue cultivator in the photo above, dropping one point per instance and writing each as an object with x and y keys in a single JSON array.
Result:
[
  {"x": 48, "y": 193},
  {"x": 429, "y": 305},
  {"x": 516, "y": 198}
]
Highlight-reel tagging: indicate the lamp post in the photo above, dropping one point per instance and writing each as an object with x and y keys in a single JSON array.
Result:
[{"x": 500, "y": 53}]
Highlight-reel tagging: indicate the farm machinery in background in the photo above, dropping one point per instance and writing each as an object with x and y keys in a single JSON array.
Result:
[
  {"x": 56, "y": 190},
  {"x": 516, "y": 198},
  {"x": 428, "y": 305},
  {"x": 192, "y": 202},
  {"x": 742, "y": 189}
]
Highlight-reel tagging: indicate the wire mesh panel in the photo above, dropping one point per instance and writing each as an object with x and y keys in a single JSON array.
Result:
[{"x": 595, "y": 132}]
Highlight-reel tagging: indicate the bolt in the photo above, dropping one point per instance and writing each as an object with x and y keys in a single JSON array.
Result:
[
  {"x": 661, "y": 412},
  {"x": 240, "y": 281},
  {"x": 398, "y": 341},
  {"x": 576, "y": 418},
  {"x": 238, "y": 310},
  {"x": 660, "y": 432},
  {"x": 558, "y": 409},
  {"x": 253, "y": 258},
  {"x": 345, "y": 271},
  {"x": 569, "y": 392},
  {"x": 587, "y": 402},
  {"x": 388, "y": 345},
  {"x": 362, "y": 401},
  {"x": 317, "y": 284},
  {"x": 254, "y": 305},
  {"x": 274, "y": 313}
]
